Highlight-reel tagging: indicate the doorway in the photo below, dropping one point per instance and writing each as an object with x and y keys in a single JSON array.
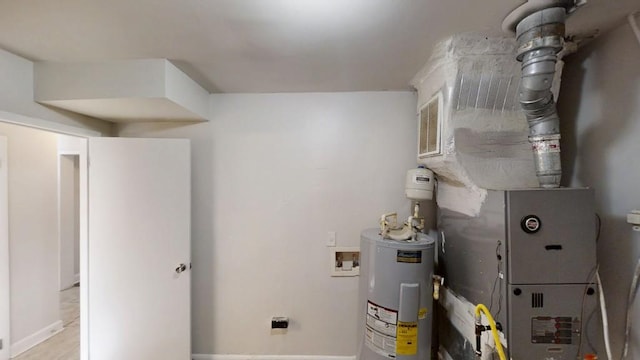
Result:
[
  {"x": 34, "y": 158},
  {"x": 153, "y": 234},
  {"x": 69, "y": 220}
]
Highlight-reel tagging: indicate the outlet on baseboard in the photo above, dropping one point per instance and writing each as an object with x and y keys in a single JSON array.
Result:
[
  {"x": 279, "y": 322},
  {"x": 279, "y": 325}
]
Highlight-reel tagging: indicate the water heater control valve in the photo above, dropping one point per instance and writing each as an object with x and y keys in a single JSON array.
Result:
[{"x": 633, "y": 218}]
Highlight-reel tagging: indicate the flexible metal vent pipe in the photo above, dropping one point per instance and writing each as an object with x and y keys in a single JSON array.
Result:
[{"x": 540, "y": 37}]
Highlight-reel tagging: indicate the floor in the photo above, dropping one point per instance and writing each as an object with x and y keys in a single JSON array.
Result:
[{"x": 66, "y": 344}]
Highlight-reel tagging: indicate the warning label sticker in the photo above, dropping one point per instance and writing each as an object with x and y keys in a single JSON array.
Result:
[
  {"x": 407, "y": 338},
  {"x": 381, "y": 326},
  {"x": 554, "y": 330},
  {"x": 382, "y": 313},
  {"x": 380, "y": 334},
  {"x": 549, "y": 146},
  {"x": 383, "y": 345}
]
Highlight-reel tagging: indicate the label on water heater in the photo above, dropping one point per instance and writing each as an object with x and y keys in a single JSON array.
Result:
[
  {"x": 407, "y": 338},
  {"x": 383, "y": 345},
  {"x": 405, "y": 256},
  {"x": 380, "y": 333}
]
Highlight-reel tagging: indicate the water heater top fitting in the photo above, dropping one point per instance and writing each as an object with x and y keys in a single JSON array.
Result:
[{"x": 419, "y": 186}]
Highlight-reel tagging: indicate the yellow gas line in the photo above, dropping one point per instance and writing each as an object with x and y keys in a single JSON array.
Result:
[{"x": 494, "y": 330}]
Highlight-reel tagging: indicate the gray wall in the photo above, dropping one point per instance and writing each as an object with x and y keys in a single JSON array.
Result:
[{"x": 600, "y": 113}]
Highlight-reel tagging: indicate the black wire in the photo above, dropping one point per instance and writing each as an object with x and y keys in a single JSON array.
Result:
[
  {"x": 590, "y": 281},
  {"x": 495, "y": 282},
  {"x": 596, "y": 309},
  {"x": 599, "y": 227},
  {"x": 591, "y": 347}
]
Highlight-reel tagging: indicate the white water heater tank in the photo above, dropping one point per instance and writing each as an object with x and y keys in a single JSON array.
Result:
[
  {"x": 396, "y": 297},
  {"x": 419, "y": 184}
]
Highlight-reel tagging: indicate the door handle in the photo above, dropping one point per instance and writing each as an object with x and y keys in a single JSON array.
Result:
[{"x": 181, "y": 268}]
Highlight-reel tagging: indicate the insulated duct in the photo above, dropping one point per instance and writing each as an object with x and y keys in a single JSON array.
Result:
[{"x": 540, "y": 37}]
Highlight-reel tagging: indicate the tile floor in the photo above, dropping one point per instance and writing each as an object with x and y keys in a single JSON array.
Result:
[{"x": 66, "y": 344}]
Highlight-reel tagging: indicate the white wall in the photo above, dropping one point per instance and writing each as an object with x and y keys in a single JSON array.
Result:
[
  {"x": 600, "y": 114},
  {"x": 33, "y": 230},
  {"x": 5, "y": 309},
  {"x": 272, "y": 174},
  {"x": 17, "y": 105}
]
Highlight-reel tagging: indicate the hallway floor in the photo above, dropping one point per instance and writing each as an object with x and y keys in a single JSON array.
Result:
[{"x": 66, "y": 344}]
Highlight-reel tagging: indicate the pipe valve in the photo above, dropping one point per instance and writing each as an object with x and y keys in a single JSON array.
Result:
[
  {"x": 479, "y": 330},
  {"x": 438, "y": 281}
]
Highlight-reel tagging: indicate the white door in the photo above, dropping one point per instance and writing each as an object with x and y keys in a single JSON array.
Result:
[
  {"x": 139, "y": 249},
  {"x": 4, "y": 252}
]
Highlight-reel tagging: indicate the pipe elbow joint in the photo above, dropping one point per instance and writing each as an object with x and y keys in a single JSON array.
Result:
[{"x": 540, "y": 37}]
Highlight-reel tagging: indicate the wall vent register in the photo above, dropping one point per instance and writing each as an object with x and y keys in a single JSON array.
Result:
[{"x": 430, "y": 127}]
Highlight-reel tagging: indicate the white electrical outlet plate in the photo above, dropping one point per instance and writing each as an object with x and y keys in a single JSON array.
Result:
[{"x": 331, "y": 238}]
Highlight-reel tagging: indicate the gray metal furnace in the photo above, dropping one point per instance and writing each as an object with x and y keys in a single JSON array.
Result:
[
  {"x": 529, "y": 255},
  {"x": 396, "y": 297}
]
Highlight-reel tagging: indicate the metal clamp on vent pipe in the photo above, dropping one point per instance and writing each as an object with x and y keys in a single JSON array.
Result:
[{"x": 540, "y": 37}]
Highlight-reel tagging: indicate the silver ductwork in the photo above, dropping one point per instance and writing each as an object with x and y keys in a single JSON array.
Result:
[{"x": 540, "y": 37}]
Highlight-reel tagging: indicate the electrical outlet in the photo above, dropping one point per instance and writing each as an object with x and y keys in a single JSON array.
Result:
[
  {"x": 279, "y": 325},
  {"x": 279, "y": 322},
  {"x": 331, "y": 238}
]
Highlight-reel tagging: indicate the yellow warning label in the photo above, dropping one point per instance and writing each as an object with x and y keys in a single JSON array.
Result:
[
  {"x": 407, "y": 338},
  {"x": 422, "y": 313}
]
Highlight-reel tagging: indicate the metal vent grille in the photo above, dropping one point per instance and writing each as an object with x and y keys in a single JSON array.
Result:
[
  {"x": 537, "y": 300},
  {"x": 429, "y": 128}
]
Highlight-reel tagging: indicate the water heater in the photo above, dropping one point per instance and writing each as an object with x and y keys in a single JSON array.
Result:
[{"x": 395, "y": 303}]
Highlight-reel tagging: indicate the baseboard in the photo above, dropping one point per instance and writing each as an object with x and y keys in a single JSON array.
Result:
[
  {"x": 269, "y": 357},
  {"x": 36, "y": 338}
]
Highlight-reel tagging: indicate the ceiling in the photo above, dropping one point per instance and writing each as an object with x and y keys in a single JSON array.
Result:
[{"x": 267, "y": 45}]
